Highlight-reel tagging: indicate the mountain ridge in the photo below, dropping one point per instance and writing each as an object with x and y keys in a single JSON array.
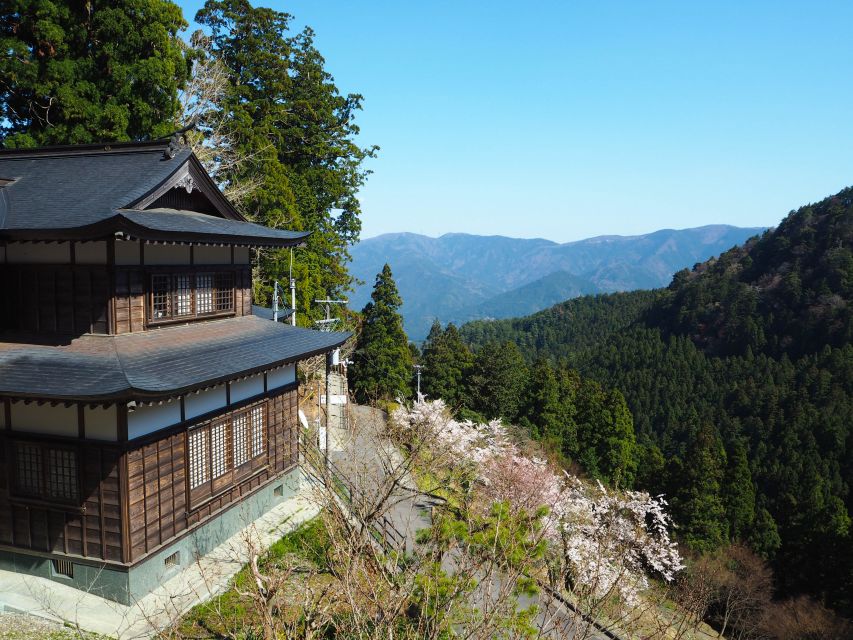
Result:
[{"x": 455, "y": 276}]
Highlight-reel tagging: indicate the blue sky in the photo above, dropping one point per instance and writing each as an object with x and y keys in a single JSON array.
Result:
[{"x": 571, "y": 119}]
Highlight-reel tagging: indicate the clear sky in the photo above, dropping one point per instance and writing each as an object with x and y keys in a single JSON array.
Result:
[{"x": 569, "y": 119}]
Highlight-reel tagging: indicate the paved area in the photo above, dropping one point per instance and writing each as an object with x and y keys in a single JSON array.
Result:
[
  {"x": 59, "y": 603},
  {"x": 363, "y": 455}
]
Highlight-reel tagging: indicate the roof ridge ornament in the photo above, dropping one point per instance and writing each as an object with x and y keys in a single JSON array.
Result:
[{"x": 178, "y": 140}]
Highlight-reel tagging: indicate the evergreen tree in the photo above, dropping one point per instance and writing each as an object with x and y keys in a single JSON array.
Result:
[
  {"x": 382, "y": 362},
  {"x": 739, "y": 492},
  {"x": 498, "y": 381},
  {"x": 446, "y": 364},
  {"x": 543, "y": 411},
  {"x": 285, "y": 113},
  {"x": 78, "y": 72},
  {"x": 696, "y": 488}
]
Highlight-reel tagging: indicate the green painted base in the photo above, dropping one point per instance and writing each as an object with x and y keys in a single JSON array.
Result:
[{"x": 127, "y": 586}]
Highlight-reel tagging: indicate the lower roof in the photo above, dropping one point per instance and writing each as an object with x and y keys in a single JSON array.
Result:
[{"x": 157, "y": 363}]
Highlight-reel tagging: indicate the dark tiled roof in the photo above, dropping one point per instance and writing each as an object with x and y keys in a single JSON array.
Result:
[
  {"x": 82, "y": 192},
  {"x": 190, "y": 223},
  {"x": 267, "y": 314},
  {"x": 156, "y": 363},
  {"x": 76, "y": 189}
]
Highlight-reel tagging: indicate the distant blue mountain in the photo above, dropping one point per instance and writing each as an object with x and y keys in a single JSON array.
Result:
[{"x": 460, "y": 277}]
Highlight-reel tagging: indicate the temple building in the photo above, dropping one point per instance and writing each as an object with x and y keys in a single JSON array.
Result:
[{"x": 146, "y": 412}]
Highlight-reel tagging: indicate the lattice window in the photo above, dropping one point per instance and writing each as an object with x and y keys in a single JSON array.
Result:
[
  {"x": 241, "y": 440},
  {"x": 224, "y": 445},
  {"x": 183, "y": 295},
  {"x": 29, "y": 471},
  {"x": 204, "y": 289},
  {"x": 161, "y": 297},
  {"x": 224, "y": 291},
  {"x": 62, "y": 474},
  {"x": 258, "y": 430},
  {"x": 219, "y": 433},
  {"x": 198, "y": 458},
  {"x": 44, "y": 472}
]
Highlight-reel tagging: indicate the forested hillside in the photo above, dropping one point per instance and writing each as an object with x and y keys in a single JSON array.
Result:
[{"x": 740, "y": 379}]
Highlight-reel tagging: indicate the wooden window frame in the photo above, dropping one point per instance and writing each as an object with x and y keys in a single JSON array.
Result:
[
  {"x": 43, "y": 496},
  {"x": 222, "y": 294},
  {"x": 214, "y": 485}
]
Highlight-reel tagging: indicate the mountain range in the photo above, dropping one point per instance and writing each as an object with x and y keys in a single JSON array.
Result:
[{"x": 460, "y": 277}]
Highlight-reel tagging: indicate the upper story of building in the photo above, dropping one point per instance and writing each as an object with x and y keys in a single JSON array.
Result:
[
  {"x": 125, "y": 278},
  {"x": 118, "y": 239}
]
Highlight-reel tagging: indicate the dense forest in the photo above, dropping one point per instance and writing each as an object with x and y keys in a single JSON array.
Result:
[{"x": 739, "y": 377}]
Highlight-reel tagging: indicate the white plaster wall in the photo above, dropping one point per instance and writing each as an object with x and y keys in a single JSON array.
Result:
[
  {"x": 146, "y": 419},
  {"x": 127, "y": 252},
  {"x": 247, "y": 388},
  {"x": 91, "y": 252},
  {"x": 101, "y": 423},
  {"x": 38, "y": 253},
  {"x": 203, "y": 254},
  {"x": 241, "y": 255},
  {"x": 55, "y": 420},
  {"x": 281, "y": 377},
  {"x": 167, "y": 254},
  {"x": 196, "y": 404}
]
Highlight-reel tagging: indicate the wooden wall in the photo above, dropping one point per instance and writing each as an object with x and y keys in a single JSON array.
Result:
[
  {"x": 92, "y": 529},
  {"x": 156, "y": 507},
  {"x": 158, "y": 503},
  {"x": 130, "y": 309},
  {"x": 72, "y": 300},
  {"x": 55, "y": 299}
]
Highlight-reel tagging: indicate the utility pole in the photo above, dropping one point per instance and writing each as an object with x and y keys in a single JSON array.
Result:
[
  {"x": 418, "y": 368},
  {"x": 292, "y": 291},
  {"x": 293, "y": 300}
]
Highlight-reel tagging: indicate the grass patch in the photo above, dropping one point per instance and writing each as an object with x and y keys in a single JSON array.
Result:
[{"x": 307, "y": 545}]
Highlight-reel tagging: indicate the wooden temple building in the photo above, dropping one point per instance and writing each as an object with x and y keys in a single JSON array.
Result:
[{"x": 146, "y": 413}]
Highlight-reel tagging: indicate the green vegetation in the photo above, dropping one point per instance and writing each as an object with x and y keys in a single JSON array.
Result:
[
  {"x": 100, "y": 71},
  {"x": 233, "y": 609},
  {"x": 294, "y": 135},
  {"x": 579, "y": 420},
  {"x": 740, "y": 380},
  {"x": 382, "y": 362}
]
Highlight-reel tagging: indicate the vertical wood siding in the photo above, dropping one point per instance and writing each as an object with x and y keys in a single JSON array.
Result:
[
  {"x": 55, "y": 299},
  {"x": 91, "y": 529},
  {"x": 158, "y": 503}
]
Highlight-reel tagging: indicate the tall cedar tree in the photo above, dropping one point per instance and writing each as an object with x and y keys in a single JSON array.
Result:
[
  {"x": 446, "y": 364},
  {"x": 382, "y": 363},
  {"x": 79, "y": 72},
  {"x": 498, "y": 381},
  {"x": 287, "y": 116}
]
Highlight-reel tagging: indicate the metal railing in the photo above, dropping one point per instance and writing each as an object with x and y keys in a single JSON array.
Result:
[{"x": 318, "y": 466}]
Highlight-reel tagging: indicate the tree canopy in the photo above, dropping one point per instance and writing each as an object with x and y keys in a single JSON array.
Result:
[
  {"x": 287, "y": 118},
  {"x": 98, "y": 71}
]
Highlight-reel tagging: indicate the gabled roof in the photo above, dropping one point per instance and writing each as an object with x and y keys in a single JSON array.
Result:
[
  {"x": 88, "y": 191},
  {"x": 156, "y": 364}
]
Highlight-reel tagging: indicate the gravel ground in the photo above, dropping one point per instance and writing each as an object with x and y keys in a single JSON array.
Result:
[{"x": 14, "y": 626}]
